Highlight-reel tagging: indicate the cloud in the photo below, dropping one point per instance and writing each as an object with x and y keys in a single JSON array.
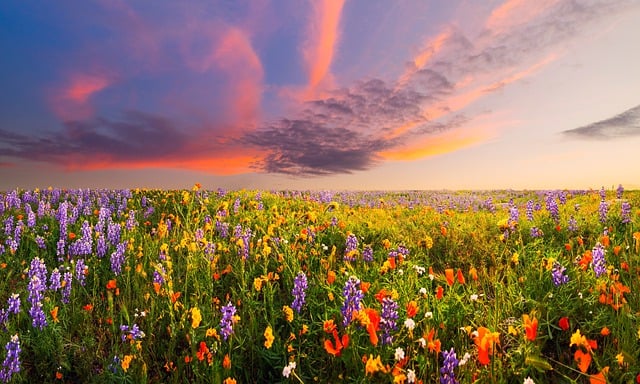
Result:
[
  {"x": 134, "y": 140},
  {"x": 624, "y": 124},
  {"x": 319, "y": 49},
  {"x": 72, "y": 101}
]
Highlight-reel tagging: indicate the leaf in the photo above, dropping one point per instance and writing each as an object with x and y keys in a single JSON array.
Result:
[{"x": 538, "y": 363}]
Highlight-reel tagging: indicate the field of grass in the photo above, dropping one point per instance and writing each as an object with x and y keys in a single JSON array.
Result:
[{"x": 255, "y": 286}]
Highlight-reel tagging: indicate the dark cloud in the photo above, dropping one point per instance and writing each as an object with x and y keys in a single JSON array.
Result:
[
  {"x": 624, "y": 124},
  {"x": 135, "y": 136},
  {"x": 309, "y": 147}
]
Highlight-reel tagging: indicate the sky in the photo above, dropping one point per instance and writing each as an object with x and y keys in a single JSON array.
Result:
[{"x": 323, "y": 94}]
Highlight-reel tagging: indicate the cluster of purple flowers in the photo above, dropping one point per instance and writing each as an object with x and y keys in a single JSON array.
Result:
[
  {"x": 367, "y": 253},
  {"x": 488, "y": 204},
  {"x": 82, "y": 246},
  {"x": 529, "y": 210},
  {"x": 552, "y": 206},
  {"x": 619, "y": 191},
  {"x": 573, "y": 224},
  {"x": 81, "y": 271},
  {"x": 558, "y": 274},
  {"x": 117, "y": 258},
  {"x": 159, "y": 273},
  {"x": 226, "y": 323},
  {"x": 603, "y": 210},
  {"x": 388, "y": 317},
  {"x": 133, "y": 332},
  {"x": 598, "y": 261},
  {"x": 625, "y": 212},
  {"x": 447, "y": 371},
  {"x": 352, "y": 298},
  {"x": 131, "y": 220},
  {"x": 536, "y": 232},
  {"x": 66, "y": 289},
  {"x": 351, "y": 247},
  {"x": 514, "y": 215},
  {"x": 11, "y": 363},
  {"x": 298, "y": 291},
  {"x": 246, "y": 238},
  {"x": 37, "y": 276}
]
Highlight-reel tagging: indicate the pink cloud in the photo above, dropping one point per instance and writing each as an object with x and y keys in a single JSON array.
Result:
[{"x": 72, "y": 101}]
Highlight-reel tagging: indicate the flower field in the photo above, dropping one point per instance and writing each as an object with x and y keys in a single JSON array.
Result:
[{"x": 254, "y": 286}]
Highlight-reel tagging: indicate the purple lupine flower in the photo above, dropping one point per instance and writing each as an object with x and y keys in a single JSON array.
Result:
[
  {"x": 236, "y": 206},
  {"x": 101, "y": 246},
  {"x": 334, "y": 221},
  {"x": 11, "y": 363},
  {"x": 210, "y": 249},
  {"x": 131, "y": 220},
  {"x": 367, "y": 253},
  {"x": 131, "y": 333},
  {"x": 159, "y": 273},
  {"x": 31, "y": 216},
  {"x": 222, "y": 228},
  {"x": 562, "y": 197},
  {"x": 351, "y": 248},
  {"x": 598, "y": 261},
  {"x": 603, "y": 210},
  {"x": 113, "y": 232},
  {"x": 66, "y": 289},
  {"x": 298, "y": 291},
  {"x": 625, "y": 212},
  {"x": 558, "y": 274},
  {"x": 198, "y": 235},
  {"x": 529, "y": 210},
  {"x": 388, "y": 317},
  {"x": 603, "y": 194},
  {"x": 40, "y": 242},
  {"x": 573, "y": 224},
  {"x": 13, "y": 304},
  {"x": 619, "y": 191},
  {"x": 245, "y": 237},
  {"x": 60, "y": 249},
  {"x": 489, "y": 206},
  {"x": 54, "y": 280},
  {"x": 4, "y": 317},
  {"x": 36, "y": 288},
  {"x": 61, "y": 215},
  {"x": 352, "y": 298},
  {"x": 552, "y": 207},
  {"x": 226, "y": 323},
  {"x": 514, "y": 216},
  {"x": 536, "y": 232},
  {"x": 447, "y": 371},
  {"x": 8, "y": 226},
  {"x": 81, "y": 271},
  {"x": 117, "y": 258}
]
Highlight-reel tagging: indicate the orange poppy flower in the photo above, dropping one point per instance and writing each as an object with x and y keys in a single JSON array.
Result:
[
  {"x": 583, "y": 359},
  {"x": 563, "y": 323},
  {"x": 449, "y": 275},
  {"x": 530, "y": 327},
  {"x": 54, "y": 314},
  {"x": 328, "y": 326},
  {"x": 226, "y": 362},
  {"x": 373, "y": 325},
  {"x": 473, "y": 272},
  {"x": 412, "y": 308},
  {"x": 439, "y": 292},
  {"x": 460, "y": 277},
  {"x": 88, "y": 307},
  {"x": 331, "y": 277},
  {"x": 340, "y": 344},
  {"x": 175, "y": 297},
  {"x": 433, "y": 345},
  {"x": 111, "y": 284},
  {"x": 485, "y": 340},
  {"x": 364, "y": 286}
]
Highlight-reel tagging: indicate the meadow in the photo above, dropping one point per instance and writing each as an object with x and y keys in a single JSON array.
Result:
[{"x": 195, "y": 285}]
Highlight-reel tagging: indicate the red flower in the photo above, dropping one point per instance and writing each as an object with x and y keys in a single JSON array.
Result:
[
  {"x": 563, "y": 323},
  {"x": 340, "y": 344}
]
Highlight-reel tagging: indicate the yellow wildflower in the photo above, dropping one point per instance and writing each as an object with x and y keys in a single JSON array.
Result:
[
  {"x": 257, "y": 283},
  {"x": 373, "y": 365},
  {"x": 126, "y": 361},
  {"x": 288, "y": 313},
  {"x": 196, "y": 317},
  {"x": 268, "y": 336}
]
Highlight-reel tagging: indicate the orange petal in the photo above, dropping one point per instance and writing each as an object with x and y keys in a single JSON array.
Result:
[{"x": 583, "y": 359}]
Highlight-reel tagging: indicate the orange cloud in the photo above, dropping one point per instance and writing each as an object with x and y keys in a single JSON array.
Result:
[
  {"x": 446, "y": 142},
  {"x": 235, "y": 55},
  {"x": 319, "y": 50},
  {"x": 72, "y": 101},
  {"x": 516, "y": 12}
]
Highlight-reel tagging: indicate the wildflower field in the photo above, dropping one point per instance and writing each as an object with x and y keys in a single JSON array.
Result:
[{"x": 264, "y": 287}]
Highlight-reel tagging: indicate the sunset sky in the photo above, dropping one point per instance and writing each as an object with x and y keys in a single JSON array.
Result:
[{"x": 293, "y": 94}]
